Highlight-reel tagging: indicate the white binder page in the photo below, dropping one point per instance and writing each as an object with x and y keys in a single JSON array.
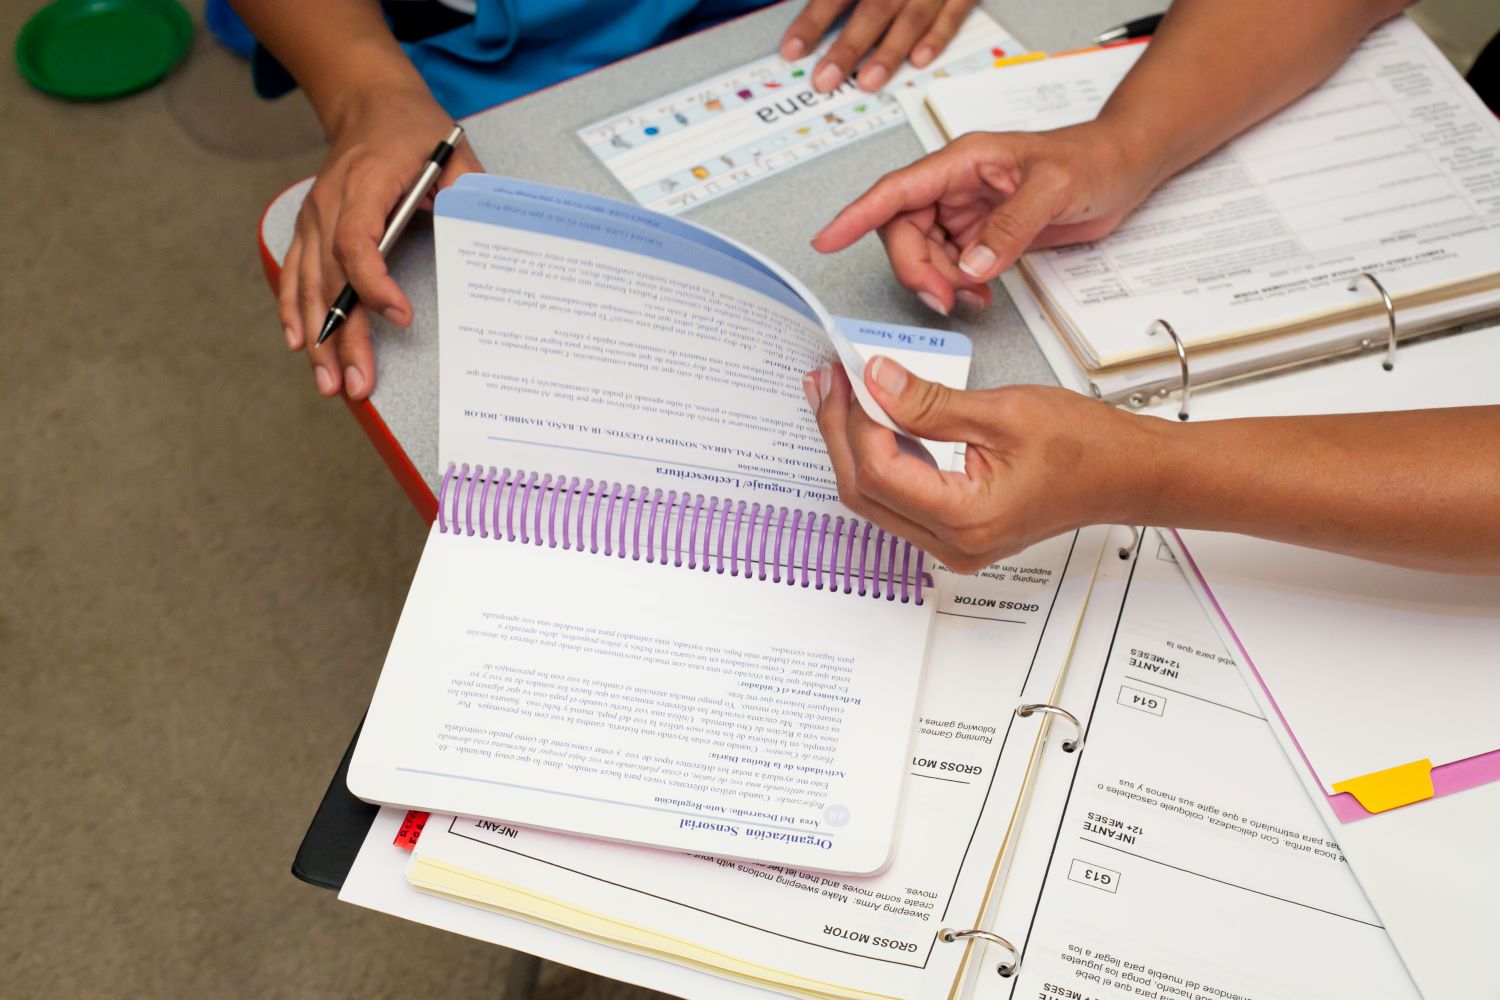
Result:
[
  {"x": 1371, "y": 666},
  {"x": 649, "y": 703},
  {"x": 1346, "y": 646},
  {"x": 1187, "y": 862}
]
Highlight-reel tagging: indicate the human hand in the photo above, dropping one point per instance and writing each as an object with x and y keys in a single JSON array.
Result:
[
  {"x": 376, "y": 152},
  {"x": 1039, "y": 461},
  {"x": 953, "y": 220},
  {"x": 893, "y": 29}
]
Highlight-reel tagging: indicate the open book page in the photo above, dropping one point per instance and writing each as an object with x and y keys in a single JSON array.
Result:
[
  {"x": 643, "y": 702},
  {"x": 597, "y": 321},
  {"x": 1188, "y": 862},
  {"x": 1392, "y": 166},
  {"x": 1000, "y": 640}
]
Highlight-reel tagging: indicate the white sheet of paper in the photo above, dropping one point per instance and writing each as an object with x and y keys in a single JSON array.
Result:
[
  {"x": 761, "y": 118},
  {"x": 695, "y": 710},
  {"x": 1183, "y": 859}
]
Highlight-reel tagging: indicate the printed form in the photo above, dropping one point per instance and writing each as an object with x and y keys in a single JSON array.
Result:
[{"x": 1188, "y": 863}]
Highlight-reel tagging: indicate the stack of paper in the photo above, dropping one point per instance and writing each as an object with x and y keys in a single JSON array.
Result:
[{"x": 1391, "y": 167}]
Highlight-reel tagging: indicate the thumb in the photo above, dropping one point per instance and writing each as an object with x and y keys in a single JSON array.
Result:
[
  {"x": 927, "y": 409},
  {"x": 1008, "y": 231}
]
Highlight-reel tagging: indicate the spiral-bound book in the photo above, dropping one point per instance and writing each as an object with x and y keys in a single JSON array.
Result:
[{"x": 643, "y": 614}]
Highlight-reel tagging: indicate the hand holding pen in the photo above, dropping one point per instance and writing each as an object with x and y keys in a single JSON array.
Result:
[
  {"x": 374, "y": 162},
  {"x": 348, "y": 298}
]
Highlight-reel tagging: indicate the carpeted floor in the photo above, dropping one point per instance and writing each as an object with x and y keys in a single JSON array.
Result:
[{"x": 201, "y": 563}]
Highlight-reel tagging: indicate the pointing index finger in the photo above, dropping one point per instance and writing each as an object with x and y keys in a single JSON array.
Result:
[{"x": 919, "y": 185}]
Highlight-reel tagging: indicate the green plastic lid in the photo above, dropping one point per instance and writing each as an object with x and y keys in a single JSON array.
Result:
[{"x": 92, "y": 50}]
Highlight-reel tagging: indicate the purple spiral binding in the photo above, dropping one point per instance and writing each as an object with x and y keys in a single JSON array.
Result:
[
  {"x": 734, "y": 542},
  {"x": 484, "y": 492},
  {"x": 765, "y": 536},
  {"x": 442, "y": 494},
  {"x": 905, "y": 568},
  {"x": 723, "y": 526},
  {"x": 609, "y": 517},
  {"x": 635, "y": 540},
  {"x": 469, "y": 505},
  {"x": 693, "y": 533},
  {"x": 458, "y": 491},
  {"x": 666, "y": 523},
  {"x": 552, "y": 513},
  {"x": 571, "y": 489},
  {"x": 544, "y": 486},
  {"x": 470, "y": 499},
  {"x": 651, "y": 524},
  {"x": 629, "y": 499},
  {"x": 849, "y": 555},
  {"x": 750, "y": 537}
]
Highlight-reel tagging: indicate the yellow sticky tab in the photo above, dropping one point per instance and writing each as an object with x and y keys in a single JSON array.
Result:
[{"x": 1395, "y": 786}]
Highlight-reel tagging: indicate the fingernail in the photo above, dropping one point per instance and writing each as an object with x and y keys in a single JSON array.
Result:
[
  {"x": 810, "y": 390},
  {"x": 353, "y": 381},
  {"x": 922, "y": 56},
  {"x": 793, "y": 48},
  {"x": 392, "y": 315},
  {"x": 825, "y": 379},
  {"x": 932, "y": 302},
  {"x": 873, "y": 77},
  {"x": 888, "y": 375},
  {"x": 977, "y": 261},
  {"x": 970, "y": 299},
  {"x": 325, "y": 380},
  {"x": 291, "y": 338},
  {"x": 828, "y": 78}
]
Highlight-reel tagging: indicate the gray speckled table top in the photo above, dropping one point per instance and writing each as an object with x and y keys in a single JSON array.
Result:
[{"x": 534, "y": 138}]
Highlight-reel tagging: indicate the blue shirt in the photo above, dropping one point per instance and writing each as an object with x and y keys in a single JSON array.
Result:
[{"x": 513, "y": 47}]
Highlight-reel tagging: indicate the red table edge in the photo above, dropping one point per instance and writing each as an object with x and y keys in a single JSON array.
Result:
[{"x": 407, "y": 475}]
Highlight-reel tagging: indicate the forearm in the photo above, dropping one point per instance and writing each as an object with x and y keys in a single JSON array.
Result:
[
  {"x": 1419, "y": 488},
  {"x": 339, "y": 51},
  {"x": 1216, "y": 67}
]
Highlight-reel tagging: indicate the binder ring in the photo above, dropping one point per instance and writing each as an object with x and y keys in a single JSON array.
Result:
[
  {"x": 1187, "y": 384},
  {"x": 1007, "y": 969},
  {"x": 1390, "y": 315},
  {"x": 1069, "y": 746}
]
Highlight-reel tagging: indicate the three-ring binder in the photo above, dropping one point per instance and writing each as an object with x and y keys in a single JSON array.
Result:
[
  {"x": 690, "y": 530},
  {"x": 950, "y": 935},
  {"x": 1187, "y": 383},
  {"x": 1390, "y": 315}
]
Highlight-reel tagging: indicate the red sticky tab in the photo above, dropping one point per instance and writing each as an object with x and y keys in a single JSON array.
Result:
[{"x": 411, "y": 829}]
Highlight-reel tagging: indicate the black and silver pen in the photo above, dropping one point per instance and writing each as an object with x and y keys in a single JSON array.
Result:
[
  {"x": 344, "y": 304},
  {"x": 1139, "y": 28}
]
